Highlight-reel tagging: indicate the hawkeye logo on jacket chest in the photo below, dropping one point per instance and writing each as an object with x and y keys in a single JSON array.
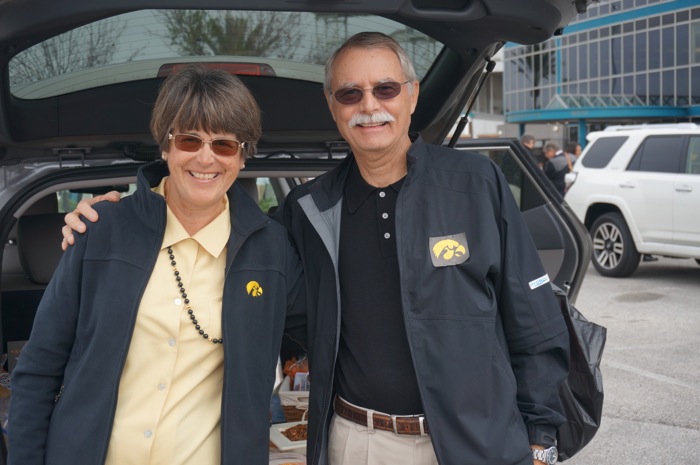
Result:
[{"x": 448, "y": 250}]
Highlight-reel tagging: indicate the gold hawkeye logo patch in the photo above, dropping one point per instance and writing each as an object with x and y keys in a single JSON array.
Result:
[
  {"x": 449, "y": 250},
  {"x": 253, "y": 289}
]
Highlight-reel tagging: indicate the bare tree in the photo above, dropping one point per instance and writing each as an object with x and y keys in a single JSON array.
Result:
[
  {"x": 331, "y": 30},
  {"x": 202, "y": 33},
  {"x": 85, "y": 47}
]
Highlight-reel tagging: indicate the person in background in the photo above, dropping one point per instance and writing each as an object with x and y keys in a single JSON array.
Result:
[
  {"x": 437, "y": 338},
  {"x": 157, "y": 339},
  {"x": 556, "y": 166},
  {"x": 573, "y": 149},
  {"x": 528, "y": 140}
]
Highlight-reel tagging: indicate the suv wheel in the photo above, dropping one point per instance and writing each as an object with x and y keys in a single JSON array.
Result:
[{"x": 614, "y": 253}]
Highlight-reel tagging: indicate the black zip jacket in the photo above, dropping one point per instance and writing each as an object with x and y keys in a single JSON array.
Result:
[
  {"x": 83, "y": 329},
  {"x": 488, "y": 342}
]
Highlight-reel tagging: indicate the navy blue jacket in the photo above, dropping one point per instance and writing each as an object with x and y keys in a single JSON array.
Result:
[
  {"x": 84, "y": 324},
  {"x": 488, "y": 342}
]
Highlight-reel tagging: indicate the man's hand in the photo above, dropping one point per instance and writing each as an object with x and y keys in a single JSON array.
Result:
[{"x": 74, "y": 222}]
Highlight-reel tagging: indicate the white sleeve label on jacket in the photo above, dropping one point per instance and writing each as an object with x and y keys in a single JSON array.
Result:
[{"x": 538, "y": 282}]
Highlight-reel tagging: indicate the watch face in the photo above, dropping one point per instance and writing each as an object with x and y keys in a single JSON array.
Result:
[{"x": 552, "y": 455}]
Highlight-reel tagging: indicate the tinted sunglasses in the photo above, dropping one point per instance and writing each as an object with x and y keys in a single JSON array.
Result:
[
  {"x": 192, "y": 143},
  {"x": 383, "y": 91}
]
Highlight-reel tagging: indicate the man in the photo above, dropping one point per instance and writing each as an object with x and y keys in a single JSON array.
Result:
[
  {"x": 556, "y": 166},
  {"x": 528, "y": 140},
  {"x": 434, "y": 337}
]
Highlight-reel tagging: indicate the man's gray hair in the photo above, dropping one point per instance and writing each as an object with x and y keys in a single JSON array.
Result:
[
  {"x": 550, "y": 146},
  {"x": 527, "y": 138},
  {"x": 372, "y": 40}
]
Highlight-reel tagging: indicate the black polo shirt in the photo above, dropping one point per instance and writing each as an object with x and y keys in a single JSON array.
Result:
[{"x": 374, "y": 367}]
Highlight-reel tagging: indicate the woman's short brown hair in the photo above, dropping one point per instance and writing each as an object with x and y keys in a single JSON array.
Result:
[{"x": 203, "y": 99}]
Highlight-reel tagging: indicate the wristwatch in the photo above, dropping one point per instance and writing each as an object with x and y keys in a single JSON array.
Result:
[{"x": 548, "y": 456}]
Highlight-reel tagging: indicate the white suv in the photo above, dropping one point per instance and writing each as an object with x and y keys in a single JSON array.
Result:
[{"x": 637, "y": 190}]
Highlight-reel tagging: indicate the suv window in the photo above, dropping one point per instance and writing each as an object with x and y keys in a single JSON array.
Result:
[
  {"x": 527, "y": 194},
  {"x": 692, "y": 165},
  {"x": 602, "y": 151},
  {"x": 658, "y": 154},
  {"x": 67, "y": 200}
]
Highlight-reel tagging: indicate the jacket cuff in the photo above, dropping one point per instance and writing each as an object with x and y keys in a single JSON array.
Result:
[{"x": 544, "y": 435}]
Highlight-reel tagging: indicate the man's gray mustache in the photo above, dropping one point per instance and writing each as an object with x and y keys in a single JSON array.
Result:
[{"x": 374, "y": 118}]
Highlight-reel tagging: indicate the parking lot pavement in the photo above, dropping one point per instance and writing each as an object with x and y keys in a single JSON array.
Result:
[{"x": 651, "y": 364}]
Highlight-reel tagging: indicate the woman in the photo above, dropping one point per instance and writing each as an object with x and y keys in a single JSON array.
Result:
[{"x": 157, "y": 338}]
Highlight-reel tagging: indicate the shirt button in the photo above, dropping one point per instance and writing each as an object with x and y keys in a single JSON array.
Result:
[
  {"x": 148, "y": 433},
  {"x": 387, "y": 235},
  {"x": 385, "y": 215},
  {"x": 178, "y": 302},
  {"x": 382, "y": 194},
  {"x": 161, "y": 386},
  {"x": 171, "y": 342}
]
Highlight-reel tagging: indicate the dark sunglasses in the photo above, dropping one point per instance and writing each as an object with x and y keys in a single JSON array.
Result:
[
  {"x": 192, "y": 143},
  {"x": 383, "y": 91}
]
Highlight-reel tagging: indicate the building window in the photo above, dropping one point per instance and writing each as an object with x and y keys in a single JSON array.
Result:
[
  {"x": 695, "y": 82},
  {"x": 641, "y": 51},
  {"x": 682, "y": 87},
  {"x": 628, "y": 53},
  {"x": 667, "y": 44},
  {"x": 605, "y": 58},
  {"x": 641, "y": 87},
  {"x": 682, "y": 45},
  {"x": 654, "y": 89},
  {"x": 696, "y": 42},
  {"x": 594, "y": 59},
  {"x": 667, "y": 84},
  {"x": 654, "y": 44}
]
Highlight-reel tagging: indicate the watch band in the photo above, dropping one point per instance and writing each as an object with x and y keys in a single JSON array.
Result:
[{"x": 548, "y": 456}]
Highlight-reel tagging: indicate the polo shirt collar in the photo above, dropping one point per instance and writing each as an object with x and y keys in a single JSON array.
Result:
[{"x": 357, "y": 190}]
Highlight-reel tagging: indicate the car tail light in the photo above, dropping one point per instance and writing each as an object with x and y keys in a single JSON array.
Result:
[{"x": 248, "y": 69}]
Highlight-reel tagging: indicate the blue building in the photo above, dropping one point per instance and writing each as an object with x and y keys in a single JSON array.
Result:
[{"x": 621, "y": 62}]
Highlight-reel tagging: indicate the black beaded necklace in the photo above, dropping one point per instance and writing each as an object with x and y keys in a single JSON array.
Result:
[{"x": 193, "y": 317}]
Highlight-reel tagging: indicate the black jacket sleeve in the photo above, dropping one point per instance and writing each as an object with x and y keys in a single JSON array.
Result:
[
  {"x": 535, "y": 331},
  {"x": 38, "y": 376}
]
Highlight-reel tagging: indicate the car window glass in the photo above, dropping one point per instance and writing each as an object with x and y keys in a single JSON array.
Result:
[
  {"x": 267, "y": 198},
  {"x": 601, "y": 151},
  {"x": 658, "y": 154},
  {"x": 512, "y": 169},
  {"x": 154, "y": 43},
  {"x": 69, "y": 199},
  {"x": 692, "y": 165}
]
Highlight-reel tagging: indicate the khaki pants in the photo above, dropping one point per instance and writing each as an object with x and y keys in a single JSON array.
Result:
[{"x": 353, "y": 444}]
